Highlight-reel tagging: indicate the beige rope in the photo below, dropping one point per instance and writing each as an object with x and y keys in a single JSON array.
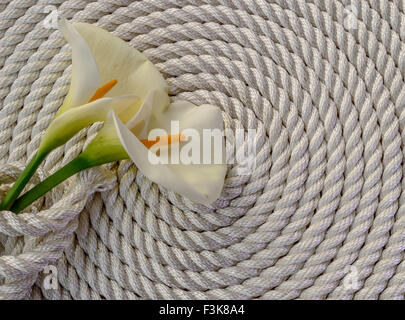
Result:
[{"x": 321, "y": 81}]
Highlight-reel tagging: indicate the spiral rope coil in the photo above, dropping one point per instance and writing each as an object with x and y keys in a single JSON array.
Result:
[{"x": 326, "y": 196}]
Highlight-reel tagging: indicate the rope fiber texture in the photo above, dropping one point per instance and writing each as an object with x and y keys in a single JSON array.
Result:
[{"x": 322, "y": 82}]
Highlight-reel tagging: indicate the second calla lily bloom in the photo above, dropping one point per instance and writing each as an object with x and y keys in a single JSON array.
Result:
[{"x": 133, "y": 101}]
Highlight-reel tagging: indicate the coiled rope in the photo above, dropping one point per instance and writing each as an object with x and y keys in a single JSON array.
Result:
[{"x": 325, "y": 201}]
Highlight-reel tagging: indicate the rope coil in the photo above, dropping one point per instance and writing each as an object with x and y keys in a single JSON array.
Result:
[{"x": 323, "y": 205}]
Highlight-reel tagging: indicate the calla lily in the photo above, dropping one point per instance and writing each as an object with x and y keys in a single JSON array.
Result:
[
  {"x": 133, "y": 101},
  {"x": 100, "y": 58},
  {"x": 201, "y": 183},
  {"x": 83, "y": 105}
]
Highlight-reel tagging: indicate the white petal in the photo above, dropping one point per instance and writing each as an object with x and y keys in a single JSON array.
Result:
[
  {"x": 189, "y": 115},
  {"x": 199, "y": 118},
  {"x": 139, "y": 123},
  {"x": 85, "y": 75},
  {"x": 118, "y": 60},
  {"x": 198, "y": 182}
]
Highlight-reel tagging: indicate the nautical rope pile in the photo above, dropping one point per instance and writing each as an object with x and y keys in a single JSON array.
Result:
[{"x": 320, "y": 216}]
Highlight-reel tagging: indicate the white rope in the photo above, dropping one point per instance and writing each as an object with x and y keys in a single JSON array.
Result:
[{"x": 324, "y": 203}]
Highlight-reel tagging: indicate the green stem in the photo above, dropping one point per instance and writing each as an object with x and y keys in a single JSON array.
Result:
[
  {"x": 22, "y": 180},
  {"x": 76, "y": 165},
  {"x": 104, "y": 148}
]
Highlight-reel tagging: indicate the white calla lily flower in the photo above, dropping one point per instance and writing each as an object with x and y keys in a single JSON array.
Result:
[
  {"x": 98, "y": 58},
  {"x": 132, "y": 101},
  {"x": 201, "y": 183}
]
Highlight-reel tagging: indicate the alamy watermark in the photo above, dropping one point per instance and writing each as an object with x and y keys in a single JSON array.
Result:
[
  {"x": 209, "y": 146},
  {"x": 51, "y": 279},
  {"x": 350, "y": 17},
  {"x": 351, "y": 279},
  {"x": 51, "y": 20}
]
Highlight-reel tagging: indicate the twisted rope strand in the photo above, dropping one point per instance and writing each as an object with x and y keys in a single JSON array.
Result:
[{"x": 320, "y": 81}]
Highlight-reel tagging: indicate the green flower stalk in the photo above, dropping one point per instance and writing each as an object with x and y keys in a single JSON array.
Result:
[
  {"x": 104, "y": 148},
  {"x": 22, "y": 180},
  {"x": 64, "y": 127}
]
